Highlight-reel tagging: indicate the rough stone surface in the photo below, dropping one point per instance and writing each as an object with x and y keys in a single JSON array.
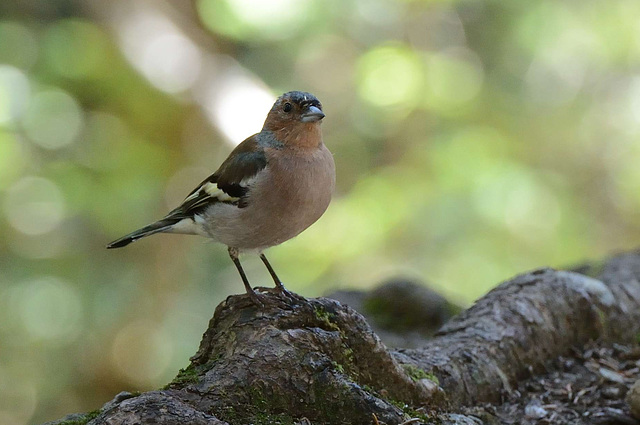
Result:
[
  {"x": 633, "y": 399},
  {"x": 155, "y": 407},
  {"x": 318, "y": 361},
  {"x": 522, "y": 324},
  {"x": 574, "y": 392},
  {"x": 299, "y": 357}
]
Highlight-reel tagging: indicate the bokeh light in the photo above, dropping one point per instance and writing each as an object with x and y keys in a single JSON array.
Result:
[
  {"x": 14, "y": 94},
  {"x": 233, "y": 112},
  {"x": 156, "y": 46},
  {"x": 53, "y": 119},
  {"x": 172, "y": 63},
  {"x": 452, "y": 80},
  {"x": 34, "y": 205},
  {"x": 18, "y": 45},
  {"x": 50, "y": 309},
  {"x": 272, "y": 19},
  {"x": 12, "y": 157},
  {"x": 390, "y": 76},
  {"x": 75, "y": 49}
]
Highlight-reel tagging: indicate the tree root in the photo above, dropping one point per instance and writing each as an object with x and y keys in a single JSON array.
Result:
[{"x": 318, "y": 362}]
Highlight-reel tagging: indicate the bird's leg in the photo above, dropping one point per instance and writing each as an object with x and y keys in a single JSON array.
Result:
[
  {"x": 233, "y": 253},
  {"x": 277, "y": 280}
]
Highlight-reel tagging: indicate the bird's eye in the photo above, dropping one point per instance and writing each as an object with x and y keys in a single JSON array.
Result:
[{"x": 287, "y": 107}]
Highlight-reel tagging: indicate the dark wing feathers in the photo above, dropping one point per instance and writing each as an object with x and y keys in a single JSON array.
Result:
[
  {"x": 229, "y": 184},
  {"x": 234, "y": 173}
]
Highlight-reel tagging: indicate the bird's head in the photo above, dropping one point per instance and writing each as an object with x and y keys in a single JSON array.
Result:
[{"x": 294, "y": 109}]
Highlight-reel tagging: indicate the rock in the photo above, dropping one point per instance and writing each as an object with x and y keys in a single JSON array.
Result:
[
  {"x": 400, "y": 311},
  {"x": 402, "y": 305},
  {"x": 431, "y": 387},
  {"x": 119, "y": 398},
  {"x": 633, "y": 399},
  {"x": 611, "y": 393},
  {"x": 534, "y": 410},
  {"x": 455, "y": 419},
  {"x": 73, "y": 418},
  {"x": 610, "y": 375}
]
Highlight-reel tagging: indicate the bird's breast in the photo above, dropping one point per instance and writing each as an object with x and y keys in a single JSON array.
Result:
[
  {"x": 289, "y": 196},
  {"x": 297, "y": 190}
]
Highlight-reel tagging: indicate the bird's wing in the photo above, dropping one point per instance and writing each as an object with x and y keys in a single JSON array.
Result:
[{"x": 229, "y": 184}]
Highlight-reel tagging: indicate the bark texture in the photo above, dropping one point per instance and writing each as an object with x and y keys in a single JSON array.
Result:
[{"x": 317, "y": 361}]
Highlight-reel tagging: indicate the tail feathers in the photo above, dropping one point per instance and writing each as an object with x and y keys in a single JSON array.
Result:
[{"x": 152, "y": 229}]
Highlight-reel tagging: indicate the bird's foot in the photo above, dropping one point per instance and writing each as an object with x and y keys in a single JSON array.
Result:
[
  {"x": 264, "y": 297},
  {"x": 258, "y": 299},
  {"x": 290, "y": 295},
  {"x": 283, "y": 293}
]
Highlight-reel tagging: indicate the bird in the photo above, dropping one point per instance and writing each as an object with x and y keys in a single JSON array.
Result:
[{"x": 272, "y": 186}]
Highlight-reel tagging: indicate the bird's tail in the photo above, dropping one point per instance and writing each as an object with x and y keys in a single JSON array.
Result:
[{"x": 157, "y": 227}]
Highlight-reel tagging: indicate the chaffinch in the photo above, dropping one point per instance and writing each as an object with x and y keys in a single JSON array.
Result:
[{"x": 272, "y": 186}]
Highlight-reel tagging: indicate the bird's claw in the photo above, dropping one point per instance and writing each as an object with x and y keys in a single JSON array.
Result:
[
  {"x": 257, "y": 299},
  {"x": 292, "y": 296},
  {"x": 283, "y": 293}
]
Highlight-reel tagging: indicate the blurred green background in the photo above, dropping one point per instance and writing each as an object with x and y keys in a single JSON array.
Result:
[{"x": 473, "y": 140}]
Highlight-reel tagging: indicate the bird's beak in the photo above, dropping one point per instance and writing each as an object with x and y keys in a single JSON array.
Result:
[{"x": 312, "y": 114}]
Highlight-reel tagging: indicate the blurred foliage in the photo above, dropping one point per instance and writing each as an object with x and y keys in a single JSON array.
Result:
[{"x": 473, "y": 139}]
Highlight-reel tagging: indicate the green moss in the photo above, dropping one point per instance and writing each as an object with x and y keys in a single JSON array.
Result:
[
  {"x": 191, "y": 374},
  {"x": 326, "y": 318},
  {"x": 602, "y": 318},
  {"x": 228, "y": 414},
  {"x": 188, "y": 375},
  {"x": 348, "y": 359},
  {"x": 347, "y": 352},
  {"x": 231, "y": 415},
  {"x": 368, "y": 389},
  {"x": 273, "y": 419},
  {"x": 258, "y": 399},
  {"x": 417, "y": 374},
  {"x": 433, "y": 378},
  {"x": 83, "y": 420},
  {"x": 638, "y": 338},
  {"x": 337, "y": 366},
  {"x": 400, "y": 405},
  {"x": 260, "y": 412},
  {"x": 411, "y": 412}
]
